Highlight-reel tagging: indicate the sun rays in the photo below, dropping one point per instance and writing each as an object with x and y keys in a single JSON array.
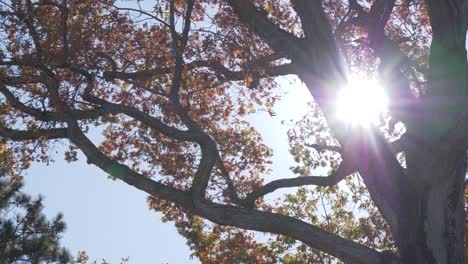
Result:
[{"x": 361, "y": 102}]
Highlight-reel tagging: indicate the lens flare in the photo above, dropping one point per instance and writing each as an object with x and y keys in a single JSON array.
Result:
[{"x": 361, "y": 102}]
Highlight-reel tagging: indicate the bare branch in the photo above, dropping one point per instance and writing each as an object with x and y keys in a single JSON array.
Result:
[
  {"x": 188, "y": 17},
  {"x": 23, "y": 135},
  {"x": 343, "y": 170},
  {"x": 144, "y": 13}
]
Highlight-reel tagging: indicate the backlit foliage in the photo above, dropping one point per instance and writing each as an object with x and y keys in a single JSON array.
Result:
[{"x": 158, "y": 79}]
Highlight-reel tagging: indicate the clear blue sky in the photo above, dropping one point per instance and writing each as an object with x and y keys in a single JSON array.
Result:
[{"x": 110, "y": 219}]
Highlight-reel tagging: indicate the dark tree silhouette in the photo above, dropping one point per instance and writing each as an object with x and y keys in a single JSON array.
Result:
[{"x": 26, "y": 235}]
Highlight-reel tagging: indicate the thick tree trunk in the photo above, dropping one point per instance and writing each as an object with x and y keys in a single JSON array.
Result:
[{"x": 431, "y": 227}]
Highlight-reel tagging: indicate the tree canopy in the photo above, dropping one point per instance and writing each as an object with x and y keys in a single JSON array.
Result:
[{"x": 169, "y": 84}]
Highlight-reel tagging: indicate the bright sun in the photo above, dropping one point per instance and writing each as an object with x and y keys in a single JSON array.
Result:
[{"x": 361, "y": 102}]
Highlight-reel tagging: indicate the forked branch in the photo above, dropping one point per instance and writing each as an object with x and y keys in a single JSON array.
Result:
[
  {"x": 343, "y": 170},
  {"x": 246, "y": 218}
]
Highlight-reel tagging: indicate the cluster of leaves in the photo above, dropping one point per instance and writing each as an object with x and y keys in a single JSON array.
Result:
[
  {"x": 107, "y": 41},
  {"x": 83, "y": 258}
]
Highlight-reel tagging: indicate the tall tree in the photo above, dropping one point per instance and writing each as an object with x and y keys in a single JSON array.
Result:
[
  {"x": 170, "y": 81},
  {"x": 26, "y": 235}
]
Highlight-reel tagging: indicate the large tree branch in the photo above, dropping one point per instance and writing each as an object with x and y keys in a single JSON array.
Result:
[
  {"x": 217, "y": 67},
  {"x": 391, "y": 57},
  {"x": 28, "y": 19},
  {"x": 133, "y": 112},
  {"x": 187, "y": 22},
  {"x": 231, "y": 75},
  {"x": 346, "y": 250},
  {"x": 446, "y": 19},
  {"x": 218, "y": 213},
  {"x": 123, "y": 172},
  {"x": 383, "y": 175},
  {"x": 229, "y": 215},
  {"x": 178, "y": 47},
  {"x": 136, "y": 75},
  {"x": 315, "y": 25},
  {"x": 36, "y": 134},
  {"x": 153, "y": 122},
  {"x": 209, "y": 157},
  {"x": 209, "y": 152},
  {"x": 194, "y": 133},
  {"x": 257, "y": 21},
  {"x": 105, "y": 107},
  {"x": 252, "y": 219},
  {"x": 62, "y": 116},
  {"x": 397, "y": 146}
]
